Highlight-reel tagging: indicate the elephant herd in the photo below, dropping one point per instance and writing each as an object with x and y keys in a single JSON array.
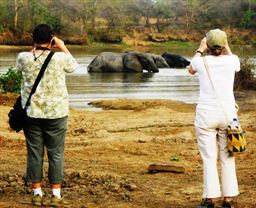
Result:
[{"x": 135, "y": 62}]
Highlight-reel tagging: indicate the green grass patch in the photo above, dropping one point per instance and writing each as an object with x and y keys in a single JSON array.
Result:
[
  {"x": 175, "y": 158},
  {"x": 175, "y": 44}
]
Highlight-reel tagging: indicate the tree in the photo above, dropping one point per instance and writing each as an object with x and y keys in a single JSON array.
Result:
[
  {"x": 249, "y": 14},
  {"x": 219, "y": 13},
  {"x": 45, "y": 12},
  {"x": 162, "y": 12},
  {"x": 94, "y": 17},
  {"x": 6, "y": 15},
  {"x": 191, "y": 7},
  {"x": 141, "y": 8}
]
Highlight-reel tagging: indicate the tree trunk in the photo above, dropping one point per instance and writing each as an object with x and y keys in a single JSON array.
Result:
[
  {"x": 17, "y": 5},
  {"x": 158, "y": 25},
  {"x": 94, "y": 16},
  {"x": 187, "y": 23},
  {"x": 81, "y": 26}
]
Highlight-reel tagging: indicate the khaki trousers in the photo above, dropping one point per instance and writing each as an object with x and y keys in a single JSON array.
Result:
[{"x": 211, "y": 137}]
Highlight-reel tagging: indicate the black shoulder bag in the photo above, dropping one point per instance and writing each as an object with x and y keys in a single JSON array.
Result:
[{"x": 18, "y": 115}]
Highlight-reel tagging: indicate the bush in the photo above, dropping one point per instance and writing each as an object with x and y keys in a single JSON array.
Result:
[
  {"x": 107, "y": 36},
  {"x": 246, "y": 78},
  {"x": 11, "y": 81}
]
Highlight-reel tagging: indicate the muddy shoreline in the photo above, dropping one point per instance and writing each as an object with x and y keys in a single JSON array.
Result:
[{"x": 108, "y": 153}]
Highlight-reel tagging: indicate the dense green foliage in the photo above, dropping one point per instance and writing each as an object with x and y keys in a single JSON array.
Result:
[
  {"x": 11, "y": 81},
  {"x": 79, "y": 17}
]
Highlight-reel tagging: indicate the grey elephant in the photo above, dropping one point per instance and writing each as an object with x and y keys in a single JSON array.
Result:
[
  {"x": 127, "y": 62},
  {"x": 175, "y": 60}
]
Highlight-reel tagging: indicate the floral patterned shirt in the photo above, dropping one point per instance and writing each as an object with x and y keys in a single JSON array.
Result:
[{"x": 50, "y": 100}]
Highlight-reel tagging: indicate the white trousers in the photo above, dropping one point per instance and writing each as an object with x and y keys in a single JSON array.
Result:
[{"x": 211, "y": 137}]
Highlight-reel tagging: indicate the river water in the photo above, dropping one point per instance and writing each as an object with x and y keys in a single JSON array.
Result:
[{"x": 174, "y": 84}]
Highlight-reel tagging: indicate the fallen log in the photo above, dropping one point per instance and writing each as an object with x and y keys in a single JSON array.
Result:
[{"x": 155, "y": 168}]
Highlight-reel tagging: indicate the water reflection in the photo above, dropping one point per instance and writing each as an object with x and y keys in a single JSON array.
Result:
[
  {"x": 120, "y": 77},
  {"x": 108, "y": 85},
  {"x": 173, "y": 84}
]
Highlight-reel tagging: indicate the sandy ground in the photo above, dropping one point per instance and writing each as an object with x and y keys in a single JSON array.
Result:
[{"x": 108, "y": 153}]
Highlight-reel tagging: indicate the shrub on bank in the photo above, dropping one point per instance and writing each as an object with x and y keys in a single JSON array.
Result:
[
  {"x": 246, "y": 78},
  {"x": 15, "y": 38},
  {"x": 106, "y": 36},
  {"x": 11, "y": 81}
]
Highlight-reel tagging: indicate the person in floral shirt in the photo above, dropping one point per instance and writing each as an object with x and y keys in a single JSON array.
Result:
[{"x": 47, "y": 113}]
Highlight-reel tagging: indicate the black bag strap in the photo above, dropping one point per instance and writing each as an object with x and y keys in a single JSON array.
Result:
[{"x": 39, "y": 77}]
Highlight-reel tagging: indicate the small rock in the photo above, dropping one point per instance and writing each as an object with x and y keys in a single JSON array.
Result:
[
  {"x": 28, "y": 190},
  {"x": 115, "y": 187},
  {"x": 173, "y": 193},
  {"x": 184, "y": 136},
  {"x": 191, "y": 191},
  {"x": 82, "y": 174},
  {"x": 3, "y": 184},
  {"x": 80, "y": 130},
  {"x": 11, "y": 179},
  {"x": 131, "y": 187},
  {"x": 14, "y": 184},
  {"x": 8, "y": 189},
  {"x": 125, "y": 196},
  {"x": 73, "y": 175}
]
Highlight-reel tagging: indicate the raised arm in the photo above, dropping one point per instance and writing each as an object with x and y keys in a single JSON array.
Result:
[
  {"x": 227, "y": 50},
  {"x": 199, "y": 52},
  {"x": 59, "y": 44}
]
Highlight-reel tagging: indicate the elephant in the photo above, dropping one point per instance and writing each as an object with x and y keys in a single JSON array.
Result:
[
  {"x": 127, "y": 62},
  {"x": 175, "y": 60},
  {"x": 107, "y": 62},
  {"x": 135, "y": 61}
]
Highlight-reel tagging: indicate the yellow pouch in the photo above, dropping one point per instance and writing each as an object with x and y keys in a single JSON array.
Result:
[{"x": 235, "y": 140}]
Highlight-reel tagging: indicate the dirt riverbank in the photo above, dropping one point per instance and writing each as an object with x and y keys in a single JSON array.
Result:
[{"x": 108, "y": 152}]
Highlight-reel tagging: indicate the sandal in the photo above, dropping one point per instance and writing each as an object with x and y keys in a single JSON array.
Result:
[
  {"x": 226, "y": 204},
  {"x": 37, "y": 200},
  {"x": 206, "y": 204}
]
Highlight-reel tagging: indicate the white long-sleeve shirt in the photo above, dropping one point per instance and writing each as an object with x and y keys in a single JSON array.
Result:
[{"x": 222, "y": 69}]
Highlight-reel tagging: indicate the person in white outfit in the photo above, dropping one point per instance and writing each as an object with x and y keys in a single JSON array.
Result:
[{"x": 210, "y": 120}]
